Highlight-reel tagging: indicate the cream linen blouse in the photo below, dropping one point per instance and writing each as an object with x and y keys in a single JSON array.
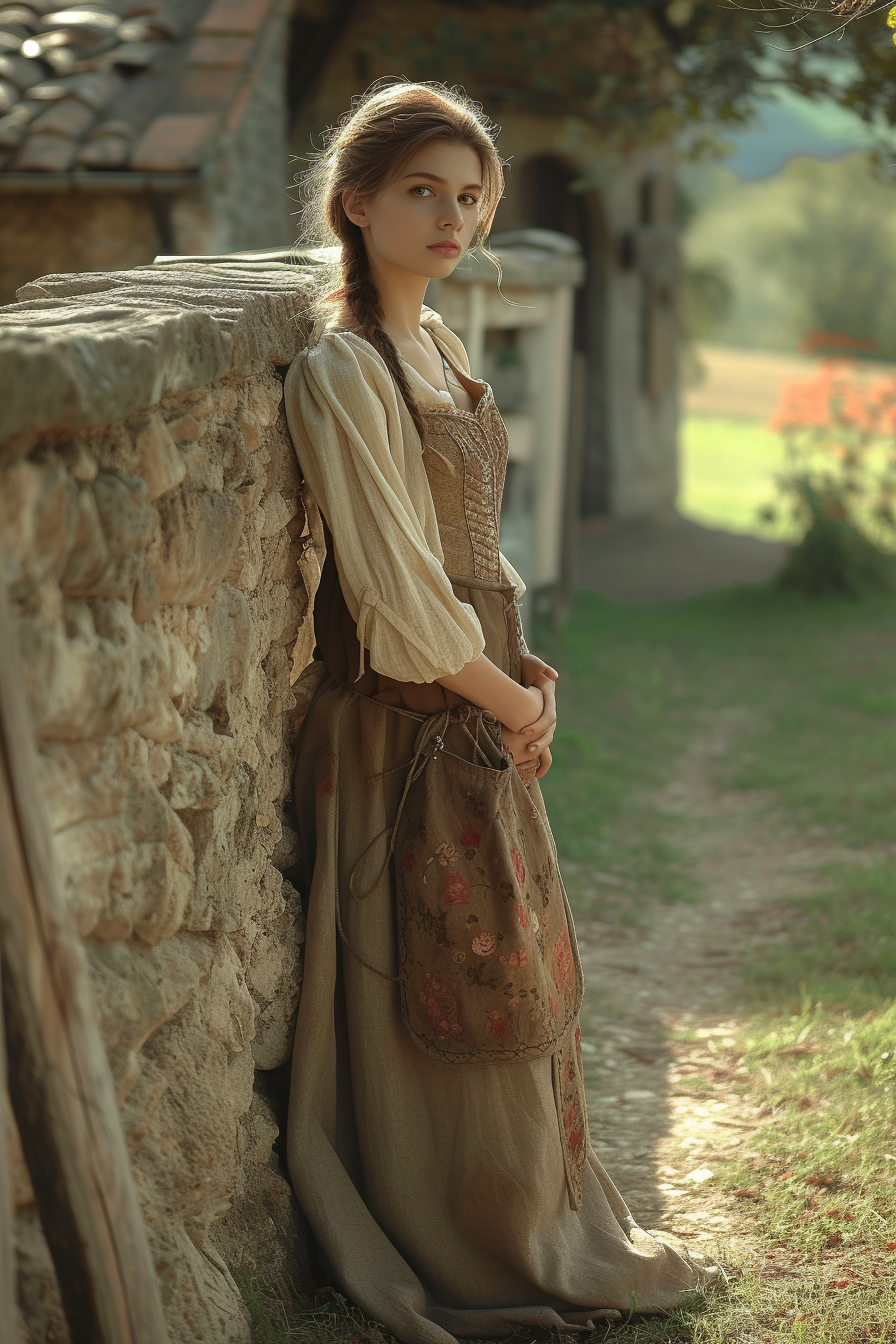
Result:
[{"x": 363, "y": 461}]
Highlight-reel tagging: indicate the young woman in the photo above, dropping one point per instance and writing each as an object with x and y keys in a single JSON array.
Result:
[{"x": 437, "y": 1136}]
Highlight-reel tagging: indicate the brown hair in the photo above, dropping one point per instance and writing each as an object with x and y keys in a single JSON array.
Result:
[{"x": 366, "y": 152}]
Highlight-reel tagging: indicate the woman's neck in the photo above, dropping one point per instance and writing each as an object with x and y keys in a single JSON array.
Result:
[{"x": 401, "y": 299}]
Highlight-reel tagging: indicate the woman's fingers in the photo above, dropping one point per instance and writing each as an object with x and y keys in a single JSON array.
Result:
[
  {"x": 544, "y": 763},
  {"x": 532, "y": 667}
]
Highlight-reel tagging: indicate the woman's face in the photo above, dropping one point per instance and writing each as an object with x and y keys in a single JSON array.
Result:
[{"x": 425, "y": 221}]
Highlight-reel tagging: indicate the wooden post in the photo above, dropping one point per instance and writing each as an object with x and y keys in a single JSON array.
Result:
[
  {"x": 59, "y": 1079},
  {"x": 7, "y": 1244}
]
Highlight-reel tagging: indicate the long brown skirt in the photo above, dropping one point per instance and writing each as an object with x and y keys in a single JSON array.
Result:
[{"x": 437, "y": 1192}]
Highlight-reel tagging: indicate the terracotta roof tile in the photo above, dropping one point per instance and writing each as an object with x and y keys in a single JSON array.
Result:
[
  {"x": 65, "y": 116},
  {"x": 112, "y": 127},
  {"x": 45, "y": 154},
  {"x": 235, "y": 16},
  {"x": 111, "y": 151},
  {"x": 13, "y": 130},
  {"x": 173, "y": 143},
  {"x": 230, "y": 53},
  {"x": 123, "y": 84},
  {"x": 21, "y": 72},
  {"x": 208, "y": 90}
]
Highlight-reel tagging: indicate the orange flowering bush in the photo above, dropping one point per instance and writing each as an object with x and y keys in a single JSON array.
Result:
[
  {"x": 840, "y": 450},
  {"x": 839, "y": 479}
]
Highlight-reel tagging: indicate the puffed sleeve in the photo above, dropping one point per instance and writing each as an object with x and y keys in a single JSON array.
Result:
[
  {"x": 343, "y": 414},
  {"x": 510, "y": 575}
]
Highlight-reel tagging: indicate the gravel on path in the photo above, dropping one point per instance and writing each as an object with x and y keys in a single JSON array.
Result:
[{"x": 663, "y": 1006}]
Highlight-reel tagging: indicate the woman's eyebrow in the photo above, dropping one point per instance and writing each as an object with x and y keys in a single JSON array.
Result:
[{"x": 473, "y": 186}]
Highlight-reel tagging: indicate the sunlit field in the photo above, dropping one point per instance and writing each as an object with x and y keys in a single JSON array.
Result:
[{"x": 727, "y": 473}]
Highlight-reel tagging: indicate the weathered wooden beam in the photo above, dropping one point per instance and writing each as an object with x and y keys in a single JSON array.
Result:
[
  {"x": 7, "y": 1244},
  {"x": 59, "y": 1079}
]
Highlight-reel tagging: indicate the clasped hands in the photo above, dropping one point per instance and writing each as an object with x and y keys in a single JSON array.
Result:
[{"x": 533, "y": 742}]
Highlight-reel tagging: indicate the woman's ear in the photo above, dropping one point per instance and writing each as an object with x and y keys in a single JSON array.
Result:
[{"x": 354, "y": 210}]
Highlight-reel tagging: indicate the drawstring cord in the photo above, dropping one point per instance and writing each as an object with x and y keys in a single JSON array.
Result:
[{"x": 431, "y": 734}]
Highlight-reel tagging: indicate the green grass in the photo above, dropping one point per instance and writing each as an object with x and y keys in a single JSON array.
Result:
[
  {"x": 813, "y": 695},
  {"x": 811, "y": 687},
  {"x": 727, "y": 473},
  {"x": 280, "y": 1315}
]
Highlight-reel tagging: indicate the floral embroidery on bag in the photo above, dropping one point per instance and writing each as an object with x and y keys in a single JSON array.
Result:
[
  {"x": 518, "y": 866},
  {"x": 442, "y": 1006},
  {"x": 478, "y": 981},
  {"x": 563, "y": 960},
  {"x": 456, "y": 890},
  {"x": 569, "y": 1094},
  {"x": 470, "y": 838}
]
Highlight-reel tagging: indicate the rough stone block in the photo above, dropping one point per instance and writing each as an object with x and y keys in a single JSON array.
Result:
[
  {"x": 91, "y": 364},
  {"x": 125, "y": 859},
  {"x": 200, "y": 765},
  {"x": 157, "y": 459},
  {"x": 199, "y": 533},
  {"x": 273, "y": 974}
]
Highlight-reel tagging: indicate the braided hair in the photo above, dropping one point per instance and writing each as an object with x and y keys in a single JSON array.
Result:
[{"x": 365, "y": 152}]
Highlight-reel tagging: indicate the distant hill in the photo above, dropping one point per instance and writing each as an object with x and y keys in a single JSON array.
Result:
[{"x": 788, "y": 125}]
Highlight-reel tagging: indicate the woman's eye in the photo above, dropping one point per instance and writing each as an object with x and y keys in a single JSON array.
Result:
[
  {"x": 469, "y": 200},
  {"x": 421, "y": 188}
]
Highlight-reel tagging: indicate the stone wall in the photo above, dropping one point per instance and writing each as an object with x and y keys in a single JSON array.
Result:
[
  {"x": 61, "y": 230},
  {"x": 151, "y": 525}
]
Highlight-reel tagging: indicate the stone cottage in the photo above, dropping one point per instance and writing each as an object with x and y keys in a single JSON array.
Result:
[{"x": 131, "y": 130}]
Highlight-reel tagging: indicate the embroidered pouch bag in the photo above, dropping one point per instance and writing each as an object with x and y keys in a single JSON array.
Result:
[{"x": 488, "y": 964}]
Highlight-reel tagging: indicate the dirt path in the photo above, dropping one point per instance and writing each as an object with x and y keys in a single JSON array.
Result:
[{"x": 661, "y": 1006}]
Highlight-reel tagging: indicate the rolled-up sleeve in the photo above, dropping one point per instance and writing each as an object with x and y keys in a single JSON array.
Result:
[
  {"x": 342, "y": 410},
  {"x": 509, "y": 575}
]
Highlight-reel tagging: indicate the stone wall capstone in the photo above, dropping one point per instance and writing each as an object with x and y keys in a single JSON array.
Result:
[{"x": 151, "y": 525}]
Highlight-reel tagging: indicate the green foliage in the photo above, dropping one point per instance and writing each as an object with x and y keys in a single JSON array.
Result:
[
  {"x": 705, "y": 301},
  {"x": 839, "y": 483},
  {"x": 642, "y": 70},
  {"x": 834, "y": 556},
  {"x": 809, "y": 250}
]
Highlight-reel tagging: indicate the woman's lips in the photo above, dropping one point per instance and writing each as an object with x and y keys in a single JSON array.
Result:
[{"x": 445, "y": 249}]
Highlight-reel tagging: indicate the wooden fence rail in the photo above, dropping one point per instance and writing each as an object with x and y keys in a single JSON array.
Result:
[{"x": 58, "y": 1075}]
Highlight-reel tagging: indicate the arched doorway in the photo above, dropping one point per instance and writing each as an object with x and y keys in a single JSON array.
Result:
[{"x": 549, "y": 200}]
